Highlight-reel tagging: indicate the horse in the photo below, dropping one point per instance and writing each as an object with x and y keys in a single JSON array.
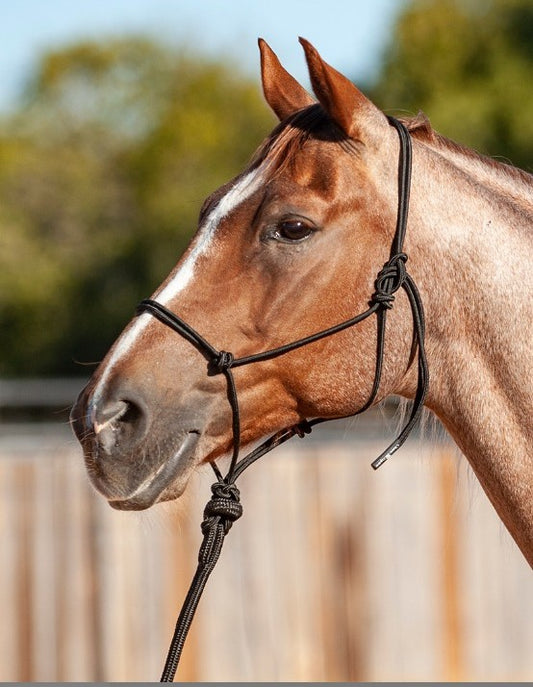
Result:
[{"x": 291, "y": 246}]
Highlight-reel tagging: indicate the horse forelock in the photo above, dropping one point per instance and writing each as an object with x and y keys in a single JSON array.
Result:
[{"x": 293, "y": 134}]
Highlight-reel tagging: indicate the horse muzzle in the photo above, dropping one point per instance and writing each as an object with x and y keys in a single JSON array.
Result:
[{"x": 130, "y": 457}]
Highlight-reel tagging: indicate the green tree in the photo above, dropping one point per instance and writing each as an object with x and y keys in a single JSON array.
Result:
[
  {"x": 468, "y": 65},
  {"x": 103, "y": 169}
]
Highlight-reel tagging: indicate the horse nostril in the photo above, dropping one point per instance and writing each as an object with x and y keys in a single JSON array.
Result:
[
  {"x": 103, "y": 417},
  {"x": 117, "y": 424}
]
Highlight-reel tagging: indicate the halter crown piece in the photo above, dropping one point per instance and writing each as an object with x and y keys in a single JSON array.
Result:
[{"x": 224, "y": 507}]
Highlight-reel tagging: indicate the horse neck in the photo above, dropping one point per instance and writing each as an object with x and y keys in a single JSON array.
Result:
[{"x": 472, "y": 241}]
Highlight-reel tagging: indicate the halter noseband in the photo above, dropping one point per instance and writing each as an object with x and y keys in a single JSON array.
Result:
[{"x": 224, "y": 507}]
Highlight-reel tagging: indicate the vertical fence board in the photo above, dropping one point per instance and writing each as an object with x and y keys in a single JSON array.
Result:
[{"x": 8, "y": 555}]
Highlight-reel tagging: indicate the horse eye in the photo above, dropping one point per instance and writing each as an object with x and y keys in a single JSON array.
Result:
[{"x": 293, "y": 230}]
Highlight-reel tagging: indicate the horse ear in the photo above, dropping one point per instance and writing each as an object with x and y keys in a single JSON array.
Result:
[
  {"x": 344, "y": 103},
  {"x": 282, "y": 92}
]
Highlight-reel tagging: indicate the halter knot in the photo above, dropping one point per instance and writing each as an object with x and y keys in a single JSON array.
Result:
[
  {"x": 390, "y": 278},
  {"x": 223, "y": 361},
  {"x": 303, "y": 428},
  {"x": 224, "y": 507}
]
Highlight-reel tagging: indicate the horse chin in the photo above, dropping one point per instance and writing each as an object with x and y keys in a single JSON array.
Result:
[{"x": 164, "y": 483}]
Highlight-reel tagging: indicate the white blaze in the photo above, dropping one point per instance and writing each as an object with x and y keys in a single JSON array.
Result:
[
  {"x": 233, "y": 198},
  {"x": 242, "y": 190}
]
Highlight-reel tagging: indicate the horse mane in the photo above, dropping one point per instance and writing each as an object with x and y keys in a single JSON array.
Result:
[
  {"x": 420, "y": 128},
  {"x": 291, "y": 135}
]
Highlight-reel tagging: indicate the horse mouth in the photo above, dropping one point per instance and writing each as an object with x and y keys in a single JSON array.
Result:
[{"x": 149, "y": 491}]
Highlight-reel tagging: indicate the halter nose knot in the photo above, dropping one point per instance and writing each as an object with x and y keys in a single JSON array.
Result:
[
  {"x": 303, "y": 428},
  {"x": 390, "y": 278},
  {"x": 222, "y": 361},
  {"x": 224, "y": 505}
]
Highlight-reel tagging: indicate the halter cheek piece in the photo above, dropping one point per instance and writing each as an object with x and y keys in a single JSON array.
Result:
[{"x": 224, "y": 507}]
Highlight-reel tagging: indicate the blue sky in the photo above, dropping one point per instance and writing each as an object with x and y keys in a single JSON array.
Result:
[{"x": 350, "y": 34}]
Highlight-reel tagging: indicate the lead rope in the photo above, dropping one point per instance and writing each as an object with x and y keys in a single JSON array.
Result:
[{"x": 224, "y": 507}]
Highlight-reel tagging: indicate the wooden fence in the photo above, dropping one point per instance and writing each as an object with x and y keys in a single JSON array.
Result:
[{"x": 334, "y": 573}]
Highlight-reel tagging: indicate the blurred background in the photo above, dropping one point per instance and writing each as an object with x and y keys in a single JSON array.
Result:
[{"x": 116, "y": 120}]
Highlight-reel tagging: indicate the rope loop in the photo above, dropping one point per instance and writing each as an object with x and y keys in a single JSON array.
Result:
[
  {"x": 225, "y": 490},
  {"x": 223, "y": 508},
  {"x": 390, "y": 278}
]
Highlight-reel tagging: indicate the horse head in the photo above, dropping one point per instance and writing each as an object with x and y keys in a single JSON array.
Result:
[{"x": 290, "y": 246}]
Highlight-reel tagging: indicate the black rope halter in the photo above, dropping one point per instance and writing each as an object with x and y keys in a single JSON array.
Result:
[{"x": 224, "y": 507}]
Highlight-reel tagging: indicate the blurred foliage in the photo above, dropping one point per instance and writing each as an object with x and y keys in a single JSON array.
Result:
[
  {"x": 103, "y": 169},
  {"x": 106, "y": 161},
  {"x": 468, "y": 65}
]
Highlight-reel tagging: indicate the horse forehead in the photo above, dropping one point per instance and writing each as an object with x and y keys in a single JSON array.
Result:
[
  {"x": 323, "y": 167},
  {"x": 237, "y": 194},
  {"x": 310, "y": 168}
]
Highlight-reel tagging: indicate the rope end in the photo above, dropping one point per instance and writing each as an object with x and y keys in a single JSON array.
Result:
[
  {"x": 379, "y": 461},
  {"x": 386, "y": 455}
]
